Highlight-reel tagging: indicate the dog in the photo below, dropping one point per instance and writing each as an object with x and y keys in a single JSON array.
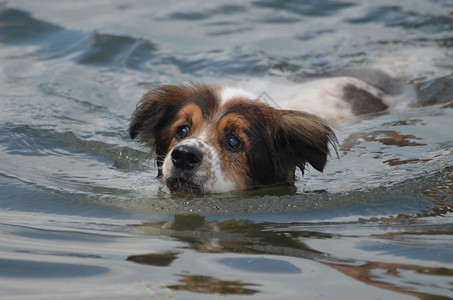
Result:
[{"x": 217, "y": 139}]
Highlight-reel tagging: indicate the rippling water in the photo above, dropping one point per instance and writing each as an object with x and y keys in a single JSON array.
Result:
[{"x": 82, "y": 214}]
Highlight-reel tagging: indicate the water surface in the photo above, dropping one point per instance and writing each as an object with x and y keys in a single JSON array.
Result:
[{"x": 82, "y": 214}]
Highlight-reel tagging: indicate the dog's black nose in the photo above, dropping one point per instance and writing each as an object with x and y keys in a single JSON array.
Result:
[{"x": 186, "y": 157}]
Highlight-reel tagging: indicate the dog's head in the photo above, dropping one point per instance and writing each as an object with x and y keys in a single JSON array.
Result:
[{"x": 213, "y": 139}]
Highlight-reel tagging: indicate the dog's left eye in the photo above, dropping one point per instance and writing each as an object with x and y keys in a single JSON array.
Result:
[
  {"x": 234, "y": 143},
  {"x": 183, "y": 132}
]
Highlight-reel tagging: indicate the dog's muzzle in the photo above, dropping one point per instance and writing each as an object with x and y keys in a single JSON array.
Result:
[
  {"x": 186, "y": 157},
  {"x": 186, "y": 161}
]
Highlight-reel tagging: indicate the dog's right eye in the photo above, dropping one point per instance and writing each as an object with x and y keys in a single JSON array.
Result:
[
  {"x": 234, "y": 144},
  {"x": 183, "y": 132}
]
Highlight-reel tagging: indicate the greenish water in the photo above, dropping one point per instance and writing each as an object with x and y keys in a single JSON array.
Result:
[{"x": 83, "y": 216}]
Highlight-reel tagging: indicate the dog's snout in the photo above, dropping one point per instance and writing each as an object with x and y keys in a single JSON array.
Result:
[{"x": 186, "y": 157}]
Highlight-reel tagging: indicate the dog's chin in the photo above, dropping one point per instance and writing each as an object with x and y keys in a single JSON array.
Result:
[{"x": 183, "y": 185}]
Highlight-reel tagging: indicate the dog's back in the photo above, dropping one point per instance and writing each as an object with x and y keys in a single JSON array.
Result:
[{"x": 341, "y": 96}]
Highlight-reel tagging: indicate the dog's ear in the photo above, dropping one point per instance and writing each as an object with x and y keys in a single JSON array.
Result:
[
  {"x": 305, "y": 138},
  {"x": 153, "y": 111}
]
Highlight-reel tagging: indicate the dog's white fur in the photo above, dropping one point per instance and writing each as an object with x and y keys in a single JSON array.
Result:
[
  {"x": 323, "y": 97},
  {"x": 209, "y": 176}
]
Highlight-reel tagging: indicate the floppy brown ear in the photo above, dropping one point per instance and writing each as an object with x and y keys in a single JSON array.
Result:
[
  {"x": 152, "y": 113},
  {"x": 307, "y": 138}
]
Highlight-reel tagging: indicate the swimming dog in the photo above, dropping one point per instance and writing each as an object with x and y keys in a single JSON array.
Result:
[{"x": 216, "y": 139}]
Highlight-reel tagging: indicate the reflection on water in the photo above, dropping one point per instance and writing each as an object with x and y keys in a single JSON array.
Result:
[
  {"x": 233, "y": 236},
  {"x": 407, "y": 245},
  {"x": 395, "y": 162},
  {"x": 397, "y": 139},
  {"x": 386, "y": 137},
  {"x": 400, "y": 278},
  {"x": 80, "y": 201},
  {"x": 155, "y": 259},
  {"x": 210, "y": 285}
]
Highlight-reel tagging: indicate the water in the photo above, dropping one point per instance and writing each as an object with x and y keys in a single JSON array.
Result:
[{"x": 82, "y": 215}]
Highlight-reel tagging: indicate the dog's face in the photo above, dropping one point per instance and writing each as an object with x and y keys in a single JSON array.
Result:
[{"x": 212, "y": 139}]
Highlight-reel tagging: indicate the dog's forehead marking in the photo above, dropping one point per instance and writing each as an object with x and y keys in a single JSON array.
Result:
[{"x": 228, "y": 93}]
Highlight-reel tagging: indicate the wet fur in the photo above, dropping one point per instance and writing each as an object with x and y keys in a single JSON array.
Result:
[{"x": 273, "y": 141}]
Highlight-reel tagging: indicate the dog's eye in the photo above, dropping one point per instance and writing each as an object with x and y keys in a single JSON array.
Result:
[
  {"x": 234, "y": 143},
  {"x": 183, "y": 132}
]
